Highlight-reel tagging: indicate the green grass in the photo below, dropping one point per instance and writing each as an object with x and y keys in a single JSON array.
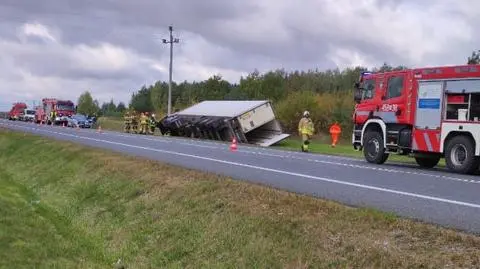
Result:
[{"x": 67, "y": 206}]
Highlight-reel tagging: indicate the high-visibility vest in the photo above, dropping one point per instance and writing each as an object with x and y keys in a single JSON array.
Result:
[
  {"x": 335, "y": 129},
  {"x": 305, "y": 126},
  {"x": 143, "y": 120}
]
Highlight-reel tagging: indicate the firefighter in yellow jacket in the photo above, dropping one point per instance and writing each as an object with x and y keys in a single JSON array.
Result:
[
  {"x": 127, "y": 121},
  {"x": 143, "y": 123},
  {"x": 305, "y": 130}
]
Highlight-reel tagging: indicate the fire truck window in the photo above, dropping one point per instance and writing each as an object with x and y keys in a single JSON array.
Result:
[
  {"x": 369, "y": 89},
  {"x": 395, "y": 87}
]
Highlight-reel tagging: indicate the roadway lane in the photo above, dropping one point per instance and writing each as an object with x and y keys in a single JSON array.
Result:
[{"x": 429, "y": 195}]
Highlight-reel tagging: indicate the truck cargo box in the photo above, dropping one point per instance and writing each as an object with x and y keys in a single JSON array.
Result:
[{"x": 251, "y": 122}]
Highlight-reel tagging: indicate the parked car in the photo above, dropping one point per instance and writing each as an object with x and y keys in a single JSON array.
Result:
[{"x": 79, "y": 120}]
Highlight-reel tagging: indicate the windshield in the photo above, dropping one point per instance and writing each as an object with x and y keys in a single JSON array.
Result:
[
  {"x": 368, "y": 89},
  {"x": 65, "y": 107},
  {"x": 79, "y": 117},
  {"x": 30, "y": 112}
]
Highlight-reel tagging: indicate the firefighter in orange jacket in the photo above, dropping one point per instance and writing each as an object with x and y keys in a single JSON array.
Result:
[
  {"x": 335, "y": 131},
  {"x": 305, "y": 130}
]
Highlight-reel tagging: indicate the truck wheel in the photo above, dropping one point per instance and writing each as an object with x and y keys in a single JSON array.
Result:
[
  {"x": 460, "y": 155},
  {"x": 427, "y": 162},
  {"x": 373, "y": 148}
]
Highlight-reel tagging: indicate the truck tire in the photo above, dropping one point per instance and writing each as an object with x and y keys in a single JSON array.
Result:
[
  {"x": 460, "y": 155},
  {"x": 427, "y": 162},
  {"x": 373, "y": 148}
]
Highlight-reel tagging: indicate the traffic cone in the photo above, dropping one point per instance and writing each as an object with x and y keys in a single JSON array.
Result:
[
  {"x": 233, "y": 146},
  {"x": 99, "y": 130},
  {"x": 64, "y": 125}
]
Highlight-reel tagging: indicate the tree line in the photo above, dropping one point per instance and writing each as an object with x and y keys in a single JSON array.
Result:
[{"x": 328, "y": 95}]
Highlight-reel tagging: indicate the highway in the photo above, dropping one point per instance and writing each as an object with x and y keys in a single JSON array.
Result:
[{"x": 433, "y": 196}]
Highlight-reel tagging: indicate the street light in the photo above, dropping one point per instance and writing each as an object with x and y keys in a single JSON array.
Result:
[{"x": 171, "y": 41}]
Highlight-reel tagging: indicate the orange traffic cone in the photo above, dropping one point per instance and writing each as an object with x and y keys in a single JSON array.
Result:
[
  {"x": 233, "y": 146},
  {"x": 99, "y": 130}
]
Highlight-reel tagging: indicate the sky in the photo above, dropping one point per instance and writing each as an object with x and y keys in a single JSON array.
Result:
[{"x": 61, "y": 48}]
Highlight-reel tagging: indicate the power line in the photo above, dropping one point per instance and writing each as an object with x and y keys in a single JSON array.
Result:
[{"x": 171, "y": 41}]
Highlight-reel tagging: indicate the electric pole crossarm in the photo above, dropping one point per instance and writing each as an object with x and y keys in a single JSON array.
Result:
[{"x": 171, "y": 41}]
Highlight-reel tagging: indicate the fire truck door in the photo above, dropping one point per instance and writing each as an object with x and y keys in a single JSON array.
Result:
[
  {"x": 428, "y": 113},
  {"x": 428, "y": 117},
  {"x": 393, "y": 99}
]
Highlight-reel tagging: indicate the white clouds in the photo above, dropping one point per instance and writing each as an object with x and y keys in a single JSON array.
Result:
[
  {"x": 36, "y": 29},
  {"x": 110, "y": 48}
]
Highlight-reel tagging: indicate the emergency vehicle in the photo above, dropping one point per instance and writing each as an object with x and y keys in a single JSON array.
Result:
[
  {"x": 17, "y": 111},
  {"x": 427, "y": 113},
  {"x": 64, "y": 109}
]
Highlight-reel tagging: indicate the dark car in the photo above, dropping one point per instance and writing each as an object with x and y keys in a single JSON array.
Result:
[{"x": 80, "y": 121}]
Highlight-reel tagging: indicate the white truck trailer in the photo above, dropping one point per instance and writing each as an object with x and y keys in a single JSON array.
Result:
[{"x": 252, "y": 122}]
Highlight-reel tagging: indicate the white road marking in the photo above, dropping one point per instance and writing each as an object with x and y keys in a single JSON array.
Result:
[
  {"x": 278, "y": 171},
  {"x": 208, "y": 144}
]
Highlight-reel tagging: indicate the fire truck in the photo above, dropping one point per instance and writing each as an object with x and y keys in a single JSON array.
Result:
[
  {"x": 64, "y": 109},
  {"x": 17, "y": 111},
  {"x": 426, "y": 113}
]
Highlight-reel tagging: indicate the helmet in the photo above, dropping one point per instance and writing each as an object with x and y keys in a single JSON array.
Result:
[
  {"x": 153, "y": 115},
  {"x": 306, "y": 113}
]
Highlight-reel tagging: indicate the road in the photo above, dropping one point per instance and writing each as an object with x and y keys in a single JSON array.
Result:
[{"x": 433, "y": 196}]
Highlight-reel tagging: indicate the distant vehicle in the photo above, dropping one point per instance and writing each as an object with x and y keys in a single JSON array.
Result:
[
  {"x": 17, "y": 111},
  {"x": 28, "y": 115},
  {"x": 79, "y": 120},
  {"x": 64, "y": 108}
]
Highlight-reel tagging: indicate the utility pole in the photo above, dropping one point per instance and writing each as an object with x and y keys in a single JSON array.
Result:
[{"x": 171, "y": 41}]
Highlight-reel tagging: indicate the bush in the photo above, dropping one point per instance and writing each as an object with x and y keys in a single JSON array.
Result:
[{"x": 324, "y": 110}]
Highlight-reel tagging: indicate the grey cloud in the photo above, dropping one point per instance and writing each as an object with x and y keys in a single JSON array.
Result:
[{"x": 240, "y": 35}]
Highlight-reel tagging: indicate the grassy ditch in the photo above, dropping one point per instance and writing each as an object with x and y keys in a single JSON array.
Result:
[{"x": 67, "y": 206}]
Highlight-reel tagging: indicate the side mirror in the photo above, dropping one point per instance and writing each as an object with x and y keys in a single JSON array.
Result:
[{"x": 357, "y": 94}]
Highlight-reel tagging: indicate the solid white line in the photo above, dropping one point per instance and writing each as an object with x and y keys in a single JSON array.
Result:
[
  {"x": 288, "y": 156},
  {"x": 361, "y": 186}
]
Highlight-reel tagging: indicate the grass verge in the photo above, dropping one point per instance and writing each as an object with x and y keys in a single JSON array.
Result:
[{"x": 68, "y": 206}]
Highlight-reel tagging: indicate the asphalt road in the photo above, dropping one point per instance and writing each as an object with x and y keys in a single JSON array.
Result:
[{"x": 433, "y": 196}]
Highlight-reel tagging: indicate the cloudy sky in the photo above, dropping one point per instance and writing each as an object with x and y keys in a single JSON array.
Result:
[{"x": 60, "y": 48}]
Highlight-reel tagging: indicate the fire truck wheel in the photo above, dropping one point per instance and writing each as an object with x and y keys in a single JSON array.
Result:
[
  {"x": 460, "y": 155},
  {"x": 427, "y": 162},
  {"x": 373, "y": 148}
]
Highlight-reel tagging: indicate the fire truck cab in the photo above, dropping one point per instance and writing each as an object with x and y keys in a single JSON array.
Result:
[
  {"x": 64, "y": 109},
  {"x": 17, "y": 111},
  {"x": 427, "y": 113}
]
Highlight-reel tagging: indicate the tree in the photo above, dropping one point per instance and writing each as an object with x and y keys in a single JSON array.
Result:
[
  {"x": 121, "y": 107},
  {"x": 474, "y": 58},
  {"x": 86, "y": 105}
]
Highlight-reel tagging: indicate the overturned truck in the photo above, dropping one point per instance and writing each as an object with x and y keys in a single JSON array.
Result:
[{"x": 252, "y": 122}]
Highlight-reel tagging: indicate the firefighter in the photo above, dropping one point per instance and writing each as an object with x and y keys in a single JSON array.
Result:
[
  {"x": 53, "y": 115},
  {"x": 152, "y": 123},
  {"x": 127, "y": 121},
  {"x": 134, "y": 119},
  {"x": 305, "y": 130},
  {"x": 143, "y": 123},
  {"x": 335, "y": 131}
]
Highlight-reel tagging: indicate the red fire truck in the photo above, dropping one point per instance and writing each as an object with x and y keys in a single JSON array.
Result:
[
  {"x": 64, "y": 109},
  {"x": 427, "y": 113},
  {"x": 17, "y": 111}
]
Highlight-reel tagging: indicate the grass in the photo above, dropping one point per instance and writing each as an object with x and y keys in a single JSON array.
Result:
[
  {"x": 68, "y": 206},
  {"x": 320, "y": 144}
]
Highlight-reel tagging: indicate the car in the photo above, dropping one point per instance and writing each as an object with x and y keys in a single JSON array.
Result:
[{"x": 79, "y": 120}]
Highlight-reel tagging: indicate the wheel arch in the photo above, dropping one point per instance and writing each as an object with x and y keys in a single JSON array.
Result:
[
  {"x": 453, "y": 134},
  {"x": 375, "y": 124}
]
